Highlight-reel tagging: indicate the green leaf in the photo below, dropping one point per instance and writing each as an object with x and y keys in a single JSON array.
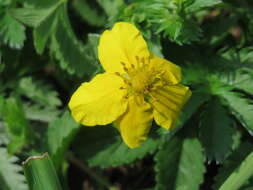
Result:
[
  {"x": 240, "y": 175},
  {"x": 70, "y": 52},
  {"x": 39, "y": 92},
  {"x": 180, "y": 164},
  {"x": 200, "y": 4},
  {"x": 10, "y": 173},
  {"x": 232, "y": 163},
  {"x": 42, "y": 4},
  {"x": 40, "y": 173},
  {"x": 192, "y": 105},
  {"x": 180, "y": 30},
  {"x": 216, "y": 132},
  {"x": 108, "y": 149},
  {"x": 37, "y": 113},
  {"x": 42, "y": 18},
  {"x": 111, "y": 7},
  {"x": 16, "y": 124},
  {"x": 34, "y": 16},
  {"x": 91, "y": 48},
  {"x": 12, "y": 32},
  {"x": 43, "y": 31},
  {"x": 240, "y": 79},
  {"x": 59, "y": 135},
  {"x": 88, "y": 13},
  {"x": 241, "y": 107}
]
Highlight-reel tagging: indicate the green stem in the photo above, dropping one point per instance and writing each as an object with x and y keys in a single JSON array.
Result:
[{"x": 40, "y": 173}]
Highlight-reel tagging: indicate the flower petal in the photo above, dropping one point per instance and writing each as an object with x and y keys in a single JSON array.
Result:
[
  {"x": 167, "y": 103},
  {"x": 121, "y": 44},
  {"x": 171, "y": 72},
  {"x": 100, "y": 101},
  {"x": 135, "y": 123}
]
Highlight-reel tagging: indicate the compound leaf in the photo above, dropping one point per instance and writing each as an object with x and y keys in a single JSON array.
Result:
[
  {"x": 10, "y": 177},
  {"x": 12, "y": 32}
]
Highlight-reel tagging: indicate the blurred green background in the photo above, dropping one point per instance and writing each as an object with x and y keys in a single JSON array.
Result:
[{"x": 49, "y": 47}]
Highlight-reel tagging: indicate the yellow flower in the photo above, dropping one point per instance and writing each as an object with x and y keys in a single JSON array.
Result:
[{"x": 136, "y": 87}]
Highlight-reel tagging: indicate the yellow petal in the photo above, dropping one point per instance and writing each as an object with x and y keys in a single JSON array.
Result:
[
  {"x": 121, "y": 44},
  {"x": 100, "y": 101},
  {"x": 171, "y": 72},
  {"x": 167, "y": 103},
  {"x": 135, "y": 124}
]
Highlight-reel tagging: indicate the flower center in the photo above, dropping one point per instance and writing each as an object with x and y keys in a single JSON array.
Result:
[{"x": 141, "y": 78}]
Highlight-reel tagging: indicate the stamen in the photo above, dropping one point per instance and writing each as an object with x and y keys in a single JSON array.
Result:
[
  {"x": 137, "y": 59},
  {"x": 117, "y": 73},
  {"x": 143, "y": 60},
  {"x": 124, "y": 66},
  {"x": 149, "y": 58}
]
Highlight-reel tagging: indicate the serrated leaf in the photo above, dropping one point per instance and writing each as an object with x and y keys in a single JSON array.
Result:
[
  {"x": 88, "y": 13},
  {"x": 240, "y": 79},
  {"x": 180, "y": 30},
  {"x": 236, "y": 170},
  {"x": 12, "y": 32},
  {"x": 38, "y": 92},
  {"x": 16, "y": 124},
  {"x": 43, "y": 31},
  {"x": 42, "y": 18},
  {"x": 111, "y": 7},
  {"x": 200, "y": 4},
  {"x": 38, "y": 113},
  {"x": 216, "y": 132},
  {"x": 10, "y": 177},
  {"x": 34, "y": 16},
  {"x": 192, "y": 105},
  {"x": 70, "y": 52},
  {"x": 180, "y": 164},
  {"x": 241, "y": 107},
  {"x": 232, "y": 163},
  {"x": 108, "y": 149},
  {"x": 59, "y": 135}
]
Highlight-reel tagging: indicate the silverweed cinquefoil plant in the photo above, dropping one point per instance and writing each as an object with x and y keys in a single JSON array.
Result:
[{"x": 136, "y": 87}]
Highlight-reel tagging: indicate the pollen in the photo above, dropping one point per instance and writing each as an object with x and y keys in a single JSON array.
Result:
[
  {"x": 140, "y": 80},
  {"x": 139, "y": 77}
]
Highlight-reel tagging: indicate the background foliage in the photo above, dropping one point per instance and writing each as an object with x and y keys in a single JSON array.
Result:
[{"x": 48, "y": 47}]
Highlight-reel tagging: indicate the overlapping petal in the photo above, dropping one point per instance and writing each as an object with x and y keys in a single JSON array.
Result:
[
  {"x": 171, "y": 72},
  {"x": 167, "y": 103},
  {"x": 121, "y": 44},
  {"x": 135, "y": 124},
  {"x": 100, "y": 101}
]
